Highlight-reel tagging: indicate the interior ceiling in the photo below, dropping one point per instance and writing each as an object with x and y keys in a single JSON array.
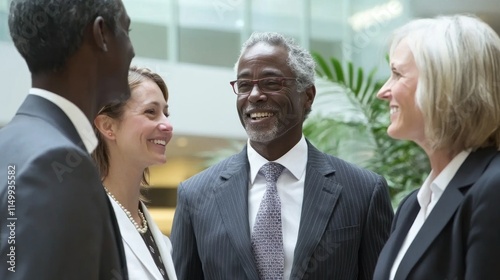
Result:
[{"x": 487, "y": 10}]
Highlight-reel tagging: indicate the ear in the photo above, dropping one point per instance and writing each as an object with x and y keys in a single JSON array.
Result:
[
  {"x": 100, "y": 31},
  {"x": 310, "y": 95},
  {"x": 106, "y": 127}
]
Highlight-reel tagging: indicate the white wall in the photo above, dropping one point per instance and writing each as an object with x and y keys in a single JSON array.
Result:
[
  {"x": 201, "y": 100},
  {"x": 15, "y": 80}
]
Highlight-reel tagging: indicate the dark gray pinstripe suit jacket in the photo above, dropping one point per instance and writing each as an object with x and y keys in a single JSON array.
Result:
[{"x": 346, "y": 218}]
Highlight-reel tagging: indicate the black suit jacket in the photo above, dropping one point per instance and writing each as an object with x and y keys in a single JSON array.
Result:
[
  {"x": 461, "y": 237},
  {"x": 55, "y": 219},
  {"x": 345, "y": 221}
]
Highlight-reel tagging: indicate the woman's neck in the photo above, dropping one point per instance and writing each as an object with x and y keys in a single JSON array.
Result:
[
  {"x": 439, "y": 159},
  {"x": 124, "y": 183}
]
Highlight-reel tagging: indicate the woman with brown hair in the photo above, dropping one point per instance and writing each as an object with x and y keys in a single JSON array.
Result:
[{"x": 133, "y": 135}]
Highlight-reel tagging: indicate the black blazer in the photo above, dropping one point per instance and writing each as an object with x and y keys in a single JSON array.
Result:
[
  {"x": 461, "y": 237},
  {"x": 345, "y": 221},
  {"x": 62, "y": 225}
]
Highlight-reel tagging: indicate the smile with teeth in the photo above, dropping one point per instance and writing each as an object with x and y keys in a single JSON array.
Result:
[
  {"x": 159, "y": 142},
  {"x": 261, "y": 115},
  {"x": 393, "y": 110}
]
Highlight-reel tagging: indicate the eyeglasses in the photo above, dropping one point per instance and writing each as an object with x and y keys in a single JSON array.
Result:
[{"x": 266, "y": 85}]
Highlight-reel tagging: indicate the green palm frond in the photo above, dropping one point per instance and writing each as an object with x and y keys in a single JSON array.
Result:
[{"x": 363, "y": 124}]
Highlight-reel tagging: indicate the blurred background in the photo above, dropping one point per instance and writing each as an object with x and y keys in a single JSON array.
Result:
[{"x": 193, "y": 45}]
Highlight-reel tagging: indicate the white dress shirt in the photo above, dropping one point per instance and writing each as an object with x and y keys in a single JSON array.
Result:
[
  {"x": 428, "y": 195},
  {"x": 75, "y": 115},
  {"x": 290, "y": 186}
]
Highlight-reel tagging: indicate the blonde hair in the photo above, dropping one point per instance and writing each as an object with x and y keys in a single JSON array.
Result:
[
  {"x": 458, "y": 91},
  {"x": 136, "y": 76}
]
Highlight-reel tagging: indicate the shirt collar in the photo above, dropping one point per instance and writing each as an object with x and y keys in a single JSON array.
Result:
[
  {"x": 437, "y": 187},
  {"x": 75, "y": 115},
  {"x": 444, "y": 178},
  {"x": 294, "y": 161}
]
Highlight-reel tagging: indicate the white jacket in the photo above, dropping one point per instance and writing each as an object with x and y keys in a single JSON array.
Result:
[{"x": 140, "y": 263}]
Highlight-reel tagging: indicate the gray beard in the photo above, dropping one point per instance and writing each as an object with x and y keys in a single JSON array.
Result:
[{"x": 263, "y": 136}]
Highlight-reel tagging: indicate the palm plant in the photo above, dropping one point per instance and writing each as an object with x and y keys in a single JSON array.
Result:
[{"x": 356, "y": 129}]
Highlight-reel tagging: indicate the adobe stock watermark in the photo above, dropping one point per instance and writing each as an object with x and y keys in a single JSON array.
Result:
[
  {"x": 323, "y": 252},
  {"x": 47, "y": 10},
  {"x": 11, "y": 217},
  {"x": 223, "y": 6},
  {"x": 370, "y": 24},
  {"x": 71, "y": 161}
]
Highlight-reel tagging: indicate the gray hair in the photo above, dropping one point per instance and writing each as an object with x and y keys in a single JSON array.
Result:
[
  {"x": 458, "y": 90},
  {"x": 47, "y": 32},
  {"x": 299, "y": 60}
]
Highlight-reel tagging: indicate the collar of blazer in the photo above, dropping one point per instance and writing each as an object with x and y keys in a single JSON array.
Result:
[
  {"x": 470, "y": 171},
  {"x": 133, "y": 240},
  {"x": 40, "y": 107}
]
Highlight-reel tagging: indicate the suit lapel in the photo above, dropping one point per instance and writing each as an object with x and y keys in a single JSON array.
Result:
[
  {"x": 133, "y": 240},
  {"x": 320, "y": 196},
  {"x": 117, "y": 238},
  {"x": 467, "y": 174},
  {"x": 231, "y": 196},
  {"x": 407, "y": 213}
]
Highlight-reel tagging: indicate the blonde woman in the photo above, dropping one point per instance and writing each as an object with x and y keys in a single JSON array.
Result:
[{"x": 444, "y": 95}]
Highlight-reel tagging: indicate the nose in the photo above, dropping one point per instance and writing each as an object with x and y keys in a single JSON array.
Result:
[
  {"x": 165, "y": 125},
  {"x": 385, "y": 91},
  {"x": 256, "y": 94}
]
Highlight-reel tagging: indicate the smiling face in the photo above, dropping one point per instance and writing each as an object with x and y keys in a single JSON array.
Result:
[
  {"x": 144, "y": 129},
  {"x": 271, "y": 118},
  {"x": 406, "y": 118}
]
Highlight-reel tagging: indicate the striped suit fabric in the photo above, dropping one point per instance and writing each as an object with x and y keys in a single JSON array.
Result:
[{"x": 345, "y": 221}]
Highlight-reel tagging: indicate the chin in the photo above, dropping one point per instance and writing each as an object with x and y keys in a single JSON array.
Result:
[
  {"x": 394, "y": 133},
  {"x": 262, "y": 135},
  {"x": 156, "y": 161},
  {"x": 161, "y": 161}
]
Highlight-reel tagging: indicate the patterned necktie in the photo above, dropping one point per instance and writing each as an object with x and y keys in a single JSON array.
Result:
[{"x": 267, "y": 236}]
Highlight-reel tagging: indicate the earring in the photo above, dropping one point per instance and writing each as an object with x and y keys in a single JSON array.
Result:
[{"x": 110, "y": 134}]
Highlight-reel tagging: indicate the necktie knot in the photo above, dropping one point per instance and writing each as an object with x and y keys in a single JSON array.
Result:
[{"x": 272, "y": 171}]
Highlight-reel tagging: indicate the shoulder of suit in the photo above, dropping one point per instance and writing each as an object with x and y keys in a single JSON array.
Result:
[
  {"x": 214, "y": 171},
  {"x": 344, "y": 166},
  {"x": 33, "y": 140}
]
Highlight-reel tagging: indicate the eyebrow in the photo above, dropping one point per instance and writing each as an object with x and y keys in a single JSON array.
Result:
[
  {"x": 157, "y": 104},
  {"x": 264, "y": 74}
]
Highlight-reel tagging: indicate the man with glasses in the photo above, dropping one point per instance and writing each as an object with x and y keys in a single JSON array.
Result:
[{"x": 280, "y": 209}]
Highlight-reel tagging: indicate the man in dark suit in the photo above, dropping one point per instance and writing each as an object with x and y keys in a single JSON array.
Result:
[
  {"x": 329, "y": 218},
  {"x": 55, "y": 219}
]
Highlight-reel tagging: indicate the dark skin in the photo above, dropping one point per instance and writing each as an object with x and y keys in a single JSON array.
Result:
[
  {"x": 88, "y": 79},
  {"x": 273, "y": 121}
]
